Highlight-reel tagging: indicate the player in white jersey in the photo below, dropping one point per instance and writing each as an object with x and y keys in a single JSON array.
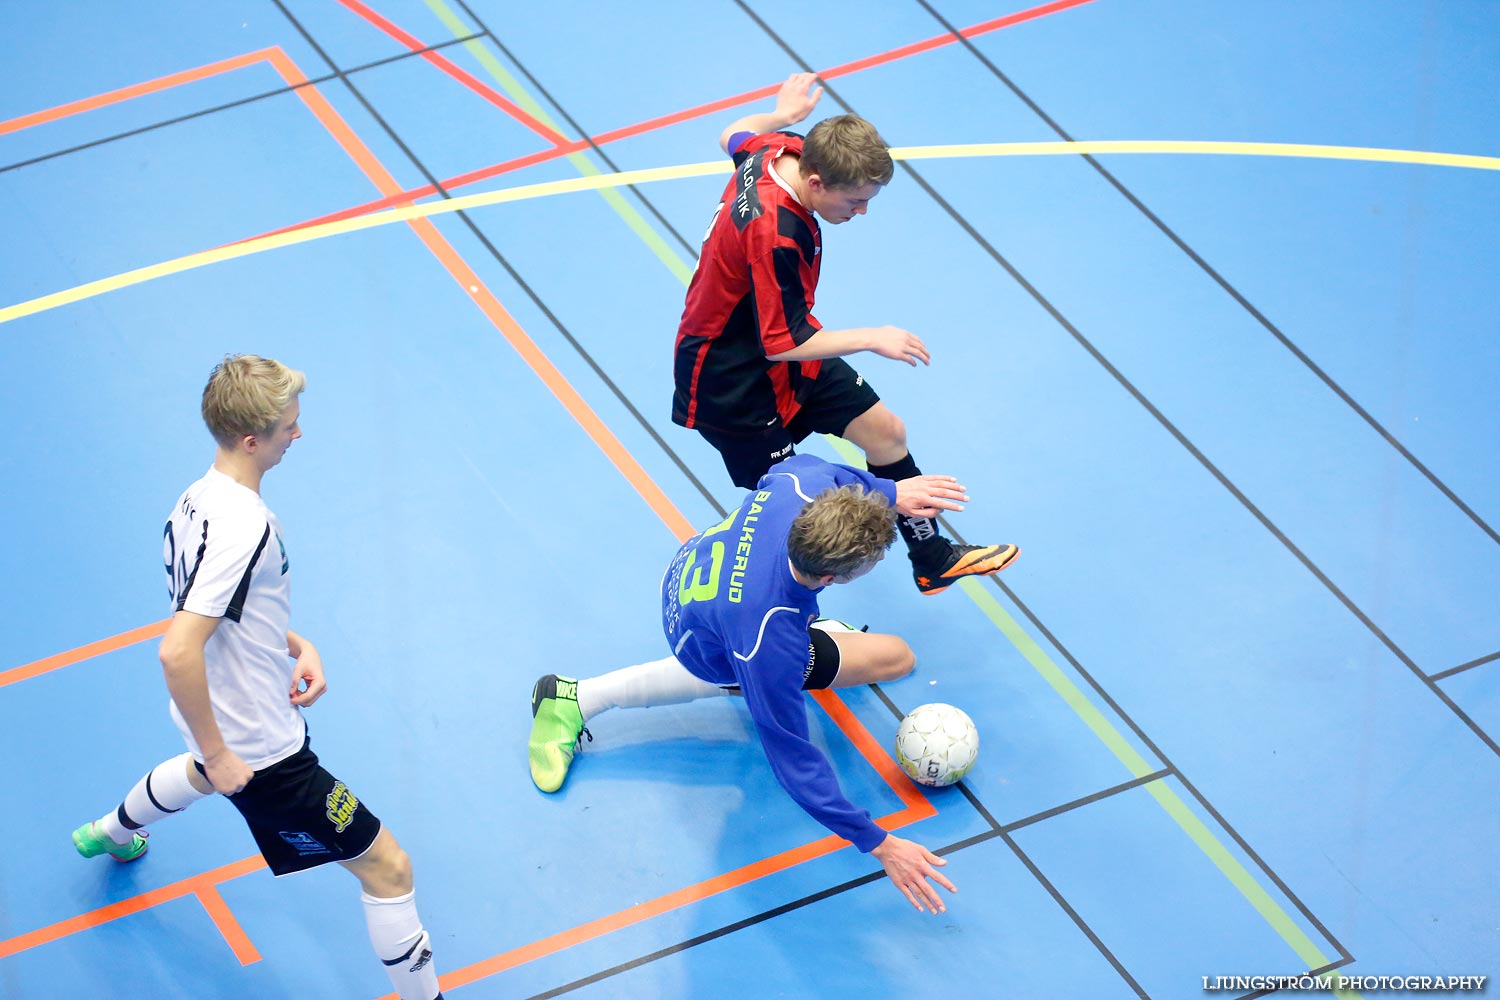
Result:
[{"x": 239, "y": 679}]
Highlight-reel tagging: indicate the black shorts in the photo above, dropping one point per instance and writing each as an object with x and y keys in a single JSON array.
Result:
[
  {"x": 838, "y": 396},
  {"x": 822, "y": 662},
  {"x": 302, "y": 817}
]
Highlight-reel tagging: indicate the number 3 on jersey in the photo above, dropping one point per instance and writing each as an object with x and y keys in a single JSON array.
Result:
[{"x": 692, "y": 587}]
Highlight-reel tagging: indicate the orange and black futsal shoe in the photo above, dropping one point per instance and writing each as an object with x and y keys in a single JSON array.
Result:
[{"x": 937, "y": 567}]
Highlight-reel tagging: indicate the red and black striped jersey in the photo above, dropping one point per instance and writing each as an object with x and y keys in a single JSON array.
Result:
[{"x": 752, "y": 295}]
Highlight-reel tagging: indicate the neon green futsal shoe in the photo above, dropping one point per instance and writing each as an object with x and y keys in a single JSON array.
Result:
[
  {"x": 92, "y": 842},
  {"x": 556, "y": 730}
]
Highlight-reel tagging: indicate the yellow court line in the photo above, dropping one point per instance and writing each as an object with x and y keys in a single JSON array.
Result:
[
  {"x": 309, "y": 233},
  {"x": 1369, "y": 154}
]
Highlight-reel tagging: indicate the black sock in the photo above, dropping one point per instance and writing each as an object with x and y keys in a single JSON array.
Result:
[{"x": 916, "y": 532}]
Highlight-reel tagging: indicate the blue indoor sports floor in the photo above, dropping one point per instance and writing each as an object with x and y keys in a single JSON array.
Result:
[{"x": 1239, "y": 699}]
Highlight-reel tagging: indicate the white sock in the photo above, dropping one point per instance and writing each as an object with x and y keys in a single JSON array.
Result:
[
  {"x": 660, "y": 682},
  {"x": 163, "y": 791},
  {"x": 402, "y": 945}
]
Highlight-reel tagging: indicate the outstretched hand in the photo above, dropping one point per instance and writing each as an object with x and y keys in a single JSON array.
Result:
[
  {"x": 797, "y": 97},
  {"x": 899, "y": 345},
  {"x": 910, "y": 865},
  {"x": 928, "y": 496}
]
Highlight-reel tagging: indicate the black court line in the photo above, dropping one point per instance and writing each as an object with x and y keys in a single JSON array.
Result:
[
  {"x": 1150, "y": 745},
  {"x": 864, "y": 880},
  {"x": 1221, "y": 281},
  {"x": 1094, "y": 352},
  {"x": 577, "y": 130},
  {"x": 1161, "y": 418},
  {"x": 225, "y": 107},
  {"x": 510, "y": 270},
  {"x": 1465, "y": 666},
  {"x": 1165, "y": 772}
]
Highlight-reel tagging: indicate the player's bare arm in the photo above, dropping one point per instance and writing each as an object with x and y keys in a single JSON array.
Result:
[
  {"x": 794, "y": 102},
  {"x": 187, "y": 681},
  {"x": 910, "y": 865},
  {"x": 308, "y": 683},
  {"x": 887, "y": 341}
]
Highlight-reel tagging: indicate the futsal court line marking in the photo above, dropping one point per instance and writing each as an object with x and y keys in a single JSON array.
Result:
[
  {"x": 134, "y": 90},
  {"x": 87, "y": 651},
  {"x": 916, "y": 806},
  {"x": 1444, "y": 674},
  {"x": 456, "y": 72},
  {"x": 216, "y": 108},
  {"x": 643, "y": 230},
  {"x": 413, "y": 213},
  {"x": 203, "y": 886}
]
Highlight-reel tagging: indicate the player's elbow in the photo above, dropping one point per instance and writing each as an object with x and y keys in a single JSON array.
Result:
[{"x": 175, "y": 654}]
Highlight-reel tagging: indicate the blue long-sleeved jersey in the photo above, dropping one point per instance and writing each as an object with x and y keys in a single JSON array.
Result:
[{"x": 733, "y": 613}]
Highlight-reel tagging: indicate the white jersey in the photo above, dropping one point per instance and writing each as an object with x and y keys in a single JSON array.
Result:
[{"x": 225, "y": 559}]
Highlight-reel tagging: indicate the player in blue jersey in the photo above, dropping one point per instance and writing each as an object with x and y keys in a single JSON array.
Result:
[{"x": 740, "y": 614}]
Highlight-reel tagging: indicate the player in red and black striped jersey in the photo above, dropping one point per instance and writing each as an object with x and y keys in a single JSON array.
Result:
[{"x": 755, "y": 371}]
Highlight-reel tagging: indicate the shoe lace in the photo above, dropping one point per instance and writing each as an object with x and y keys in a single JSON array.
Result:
[{"x": 578, "y": 743}]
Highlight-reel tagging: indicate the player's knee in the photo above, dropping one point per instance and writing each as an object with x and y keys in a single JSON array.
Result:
[
  {"x": 903, "y": 660},
  {"x": 895, "y": 431},
  {"x": 386, "y": 870},
  {"x": 398, "y": 871},
  {"x": 896, "y": 659}
]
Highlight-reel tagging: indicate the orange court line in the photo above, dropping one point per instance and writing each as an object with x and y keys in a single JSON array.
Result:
[
  {"x": 191, "y": 885},
  {"x": 472, "y": 286},
  {"x": 72, "y": 656},
  {"x": 134, "y": 90},
  {"x": 223, "y": 918},
  {"x": 677, "y": 899},
  {"x": 445, "y": 64}
]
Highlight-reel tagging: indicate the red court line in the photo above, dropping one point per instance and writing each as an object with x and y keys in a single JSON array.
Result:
[
  {"x": 462, "y": 76},
  {"x": 72, "y": 656},
  {"x": 677, "y": 117},
  {"x": 191, "y": 885},
  {"x": 134, "y": 90},
  {"x": 219, "y": 913}
]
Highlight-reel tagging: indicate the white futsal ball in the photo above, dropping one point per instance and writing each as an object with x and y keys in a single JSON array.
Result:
[{"x": 936, "y": 744}]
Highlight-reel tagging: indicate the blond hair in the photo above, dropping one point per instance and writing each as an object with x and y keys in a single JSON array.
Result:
[
  {"x": 247, "y": 394},
  {"x": 846, "y": 152},
  {"x": 842, "y": 530}
]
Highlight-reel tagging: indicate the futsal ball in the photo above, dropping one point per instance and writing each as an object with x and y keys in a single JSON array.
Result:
[{"x": 936, "y": 744}]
